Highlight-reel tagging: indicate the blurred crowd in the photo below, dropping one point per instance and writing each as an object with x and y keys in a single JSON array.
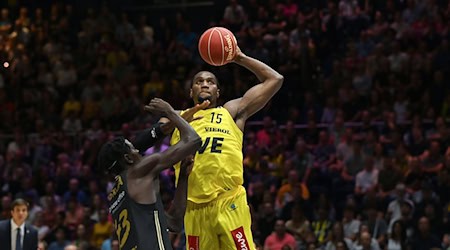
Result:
[{"x": 352, "y": 153}]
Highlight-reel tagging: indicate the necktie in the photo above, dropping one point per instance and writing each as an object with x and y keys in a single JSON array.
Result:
[{"x": 18, "y": 241}]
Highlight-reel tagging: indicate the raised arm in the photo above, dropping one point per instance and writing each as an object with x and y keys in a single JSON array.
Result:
[
  {"x": 166, "y": 126},
  {"x": 188, "y": 144},
  {"x": 257, "y": 96},
  {"x": 175, "y": 215}
]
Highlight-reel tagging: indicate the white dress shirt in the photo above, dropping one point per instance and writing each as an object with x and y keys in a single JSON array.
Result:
[{"x": 14, "y": 234}]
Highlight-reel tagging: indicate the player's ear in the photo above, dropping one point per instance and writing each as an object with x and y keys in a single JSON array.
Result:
[
  {"x": 190, "y": 93},
  {"x": 218, "y": 93},
  {"x": 128, "y": 158}
]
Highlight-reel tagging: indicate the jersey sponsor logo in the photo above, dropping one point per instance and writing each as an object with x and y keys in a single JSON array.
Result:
[
  {"x": 220, "y": 130},
  {"x": 193, "y": 242},
  {"x": 216, "y": 145},
  {"x": 117, "y": 202},
  {"x": 240, "y": 240}
]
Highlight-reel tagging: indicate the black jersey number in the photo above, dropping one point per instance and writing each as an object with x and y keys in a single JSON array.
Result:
[
  {"x": 123, "y": 227},
  {"x": 217, "y": 118}
]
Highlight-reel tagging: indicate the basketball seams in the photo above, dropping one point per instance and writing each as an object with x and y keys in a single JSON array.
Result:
[
  {"x": 222, "y": 48},
  {"x": 209, "y": 46}
]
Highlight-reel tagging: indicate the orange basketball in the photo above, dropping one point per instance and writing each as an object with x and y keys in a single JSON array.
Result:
[{"x": 217, "y": 46}]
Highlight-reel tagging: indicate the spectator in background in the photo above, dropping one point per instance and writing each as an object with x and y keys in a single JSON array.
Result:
[
  {"x": 303, "y": 161},
  {"x": 397, "y": 238},
  {"x": 367, "y": 179},
  {"x": 321, "y": 225},
  {"x": 376, "y": 224},
  {"x": 298, "y": 226},
  {"x": 102, "y": 230},
  {"x": 279, "y": 238},
  {"x": 234, "y": 15},
  {"x": 423, "y": 238},
  {"x": 351, "y": 224},
  {"x": 61, "y": 240},
  {"x": 336, "y": 236}
]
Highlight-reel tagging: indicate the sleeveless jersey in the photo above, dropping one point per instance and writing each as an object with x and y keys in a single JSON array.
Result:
[
  {"x": 218, "y": 163},
  {"x": 138, "y": 226}
]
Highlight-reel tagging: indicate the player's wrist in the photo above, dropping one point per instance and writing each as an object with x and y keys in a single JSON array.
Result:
[
  {"x": 239, "y": 57},
  {"x": 156, "y": 131}
]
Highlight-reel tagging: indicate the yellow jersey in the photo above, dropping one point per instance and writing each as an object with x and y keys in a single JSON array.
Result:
[{"x": 218, "y": 163}]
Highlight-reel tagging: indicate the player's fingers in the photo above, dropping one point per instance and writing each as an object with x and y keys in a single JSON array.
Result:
[
  {"x": 151, "y": 107},
  {"x": 197, "y": 118},
  {"x": 205, "y": 104}
]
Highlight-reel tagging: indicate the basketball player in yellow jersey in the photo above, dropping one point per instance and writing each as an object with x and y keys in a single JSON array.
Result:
[{"x": 217, "y": 215}]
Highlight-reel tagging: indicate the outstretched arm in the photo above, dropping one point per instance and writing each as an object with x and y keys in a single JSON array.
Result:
[
  {"x": 167, "y": 126},
  {"x": 257, "y": 96},
  {"x": 189, "y": 144},
  {"x": 175, "y": 215}
]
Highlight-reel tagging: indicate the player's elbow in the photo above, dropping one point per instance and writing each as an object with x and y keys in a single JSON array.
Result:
[
  {"x": 195, "y": 142},
  {"x": 278, "y": 79}
]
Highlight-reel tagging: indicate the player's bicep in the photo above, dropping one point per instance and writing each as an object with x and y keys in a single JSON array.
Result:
[
  {"x": 145, "y": 166},
  {"x": 256, "y": 98},
  {"x": 176, "y": 153}
]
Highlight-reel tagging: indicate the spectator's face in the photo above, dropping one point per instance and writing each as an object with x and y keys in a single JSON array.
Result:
[
  {"x": 103, "y": 215},
  {"x": 41, "y": 246},
  {"x": 340, "y": 246},
  {"x": 6, "y": 202},
  {"x": 279, "y": 227},
  {"x": 398, "y": 228},
  {"x": 365, "y": 240},
  {"x": 19, "y": 214},
  {"x": 424, "y": 225},
  {"x": 60, "y": 236},
  {"x": 81, "y": 230},
  {"x": 337, "y": 230},
  {"x": 268, "y": 208},
  {"x": 405, "y": 210},
  {"x": 293, "y": 177}
]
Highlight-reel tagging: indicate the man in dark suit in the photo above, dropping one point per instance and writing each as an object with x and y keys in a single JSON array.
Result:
[{"x": 14, "y": 233}]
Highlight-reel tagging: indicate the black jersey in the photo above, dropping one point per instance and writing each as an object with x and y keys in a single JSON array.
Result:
[{"x": 138, "y": 226}]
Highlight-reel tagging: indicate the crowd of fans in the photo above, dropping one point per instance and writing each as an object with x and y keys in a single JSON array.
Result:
[{"x": 353, "y": 152}]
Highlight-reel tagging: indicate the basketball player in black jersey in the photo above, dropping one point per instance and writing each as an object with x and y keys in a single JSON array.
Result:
[{"x": 134, "y": 201}]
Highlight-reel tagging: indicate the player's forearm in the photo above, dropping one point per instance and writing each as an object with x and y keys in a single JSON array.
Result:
[
  {"x": 187, "y": 133},
  {"x": 147, "y": 138},
  {"x": 260, "y": 69},
  {"x": 178, "y": 208},
  {"x": 167, "y": 127}
]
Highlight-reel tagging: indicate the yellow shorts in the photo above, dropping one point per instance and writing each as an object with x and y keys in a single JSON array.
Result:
[{"x": 222, "y": 224}]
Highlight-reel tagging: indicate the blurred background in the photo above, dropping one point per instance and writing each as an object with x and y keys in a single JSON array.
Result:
[{"x": 352, "y": 153}]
